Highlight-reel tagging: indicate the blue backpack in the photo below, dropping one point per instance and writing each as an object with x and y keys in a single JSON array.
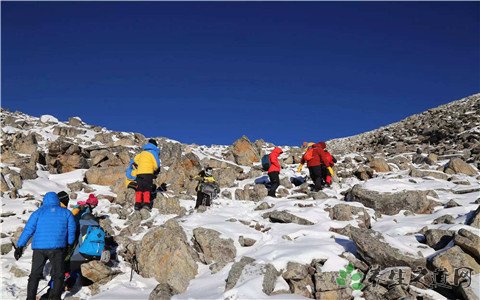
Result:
[
  {"x": 92, "y": 239},
  {"x": 265, "y": 162}
]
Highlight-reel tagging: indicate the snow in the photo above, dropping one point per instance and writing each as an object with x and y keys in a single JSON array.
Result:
[{"x": 48, "y": 119}]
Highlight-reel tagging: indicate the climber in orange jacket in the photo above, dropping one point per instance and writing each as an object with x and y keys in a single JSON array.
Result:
[{"x": 274, "y": 171}]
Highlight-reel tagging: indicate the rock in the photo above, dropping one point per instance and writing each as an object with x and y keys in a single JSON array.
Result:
[
  {"x": 236, "y": 272},
  {"x": 167, "y": 206},
  {"x": 226, "y": 176},
  {"x": 379, "y": 165},
  {"x": 259, "y": 192},
  {"x": 68, "y": 131},
  {"x": 345, "y": 212},
  {"x": 469, "y": 242},
  {"x": 474, "y": 218},
  {"x": 215, "y": 250},
  {"x": 97, "y": 271},
  {"x": 98, "y": 156},
  {"x": 48, "y": 119},
  {"x": 263, "y": 206},
  {"x": 75, "y": 186},
  {"x": 285, "y": 217},
  {"x": 320, "y": 195},
  {"x": 433, "y": 157},
  {"x": 326, "y": 281},
  {"x": 26, "y": 144},
  {"x": 438, "y": 238},
  {"x": 75, "y": 121},
  {"x": 244, "y": 152},
  {"x": 372, "y": 248},
  {"x": 295, "y": 271},
  {"x": 17, "y": 272},
  {"x": 363, "y": 173},
  {"x": 358, "y": 264},
  {"x": 428, "y": 173},
  {"x": 68, "y": 163},
  {"x": 246, "y": 242},
  {"x": 104, "y": 175},
  {"x": 392, "y": 204},
  {"x": 269, "y": 279},
  {"x": 171, "y": 261},
  {"x": 334, "y": 295},
  {"x": 451, "y": 204},
  {"x": 455, "y": 258},
  {"x": 162, "y": 292},
  {"x": 286, "y": 183},
  {"x": 457, "y": 165},
  {"x": 5, "y": 248},
  {"x": 445, "y": 219}
]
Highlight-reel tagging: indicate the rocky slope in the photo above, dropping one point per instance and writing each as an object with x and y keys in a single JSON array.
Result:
[{"x": 405, "y": 199}]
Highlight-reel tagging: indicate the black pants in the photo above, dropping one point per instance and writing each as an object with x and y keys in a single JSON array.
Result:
[
  {"x": 316, "y": 175},
  {"x": 145, "y": 182},
  {"x": 40, "y": 257},
  {"x": 274, "y": 183},
  {"x": 200, "y": 197}
]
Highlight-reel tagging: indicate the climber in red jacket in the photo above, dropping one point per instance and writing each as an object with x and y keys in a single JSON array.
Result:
[
  {"x": 274, "y": 171},
  {"x": 319, "y": 158}
]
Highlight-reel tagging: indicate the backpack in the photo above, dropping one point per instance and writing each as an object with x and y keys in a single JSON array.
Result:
[
  {"x": 92, "y": 238},
  {"x": 308, "y": 154},
  {"x": 265, "y": 162}
]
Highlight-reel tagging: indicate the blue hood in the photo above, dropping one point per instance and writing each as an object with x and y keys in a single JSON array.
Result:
[
  {"x": 151, "y": 147},
  {"x": 51, "y": 199}
]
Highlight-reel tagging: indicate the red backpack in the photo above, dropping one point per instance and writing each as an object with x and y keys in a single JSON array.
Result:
[{"x": 308, "y": 154}]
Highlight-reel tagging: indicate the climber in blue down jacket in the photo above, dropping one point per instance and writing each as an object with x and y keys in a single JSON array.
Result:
[{"x": 53, "y": 230}]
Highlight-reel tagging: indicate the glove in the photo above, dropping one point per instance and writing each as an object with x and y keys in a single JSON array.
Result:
[
  {"x": 330, "y": 170},
  {"x": 299, "y": 169},
  {"x": 69, "y": 249},
  {"x": 18, "y": 253}
]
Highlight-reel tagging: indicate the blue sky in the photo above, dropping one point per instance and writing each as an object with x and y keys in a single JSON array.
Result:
[{"x": 210, "y": 72}]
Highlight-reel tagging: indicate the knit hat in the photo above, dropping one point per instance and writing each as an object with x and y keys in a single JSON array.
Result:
[
  {"x": 153, "y": 142},
  {"x": 63, "y": 197},
  {"x": 92, "y": 201}
]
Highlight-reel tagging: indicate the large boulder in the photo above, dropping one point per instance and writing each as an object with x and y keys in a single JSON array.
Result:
[
  {"x": 438, "y": 238},
  {"x": 299, "y": 279},
  {"x": 215, "y": 250},
  {"x": 68, "y": 163},
  {"x": 26, "y": 144},
  {"x": 392, "y": 204},
  {"x": 164, "y": 253},
  {"x": 167, "y": 206},
  {"x": 285, "y": 217},
  {"x": 374, "y": 250},
  {"x": 455, "y": 258},
  {"x": 244, "y": 152},
  {"x": 457, "y": 165},
  {"x": 469, "y": 242},
  {"x": 104, "y": 175},
  {"x": 162, "y": 292}
]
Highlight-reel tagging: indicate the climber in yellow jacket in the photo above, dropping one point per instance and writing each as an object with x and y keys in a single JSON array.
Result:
[{"x": 148, "y": 166}]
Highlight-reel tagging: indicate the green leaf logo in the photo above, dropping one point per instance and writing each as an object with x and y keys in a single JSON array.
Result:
[{"x": 350, "y": 275}]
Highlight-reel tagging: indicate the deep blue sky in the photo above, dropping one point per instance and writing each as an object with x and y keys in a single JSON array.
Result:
[{"x": 209, "y": 72}]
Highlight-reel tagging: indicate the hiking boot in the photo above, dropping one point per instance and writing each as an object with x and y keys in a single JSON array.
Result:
[
  {"x": 137, "y": 206},
  {"x": 147, "y": 206}
]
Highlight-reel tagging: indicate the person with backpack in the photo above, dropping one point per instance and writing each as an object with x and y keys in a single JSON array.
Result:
[
  {"x": 307, "y": 155},
  {"x": 148, "y": 166},
  {"x": 314, "y": 157},
  {"x": 207, "y": 187},
  {"x": 53, "y": 230},
  {"x": 274, "y": 171},
  {"x": 83, "y": 207}
]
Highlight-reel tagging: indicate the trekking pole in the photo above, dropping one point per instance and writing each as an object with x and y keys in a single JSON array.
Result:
[
  {"x": 133, "y": 265},
  {"x": 42, "y": 289}
]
